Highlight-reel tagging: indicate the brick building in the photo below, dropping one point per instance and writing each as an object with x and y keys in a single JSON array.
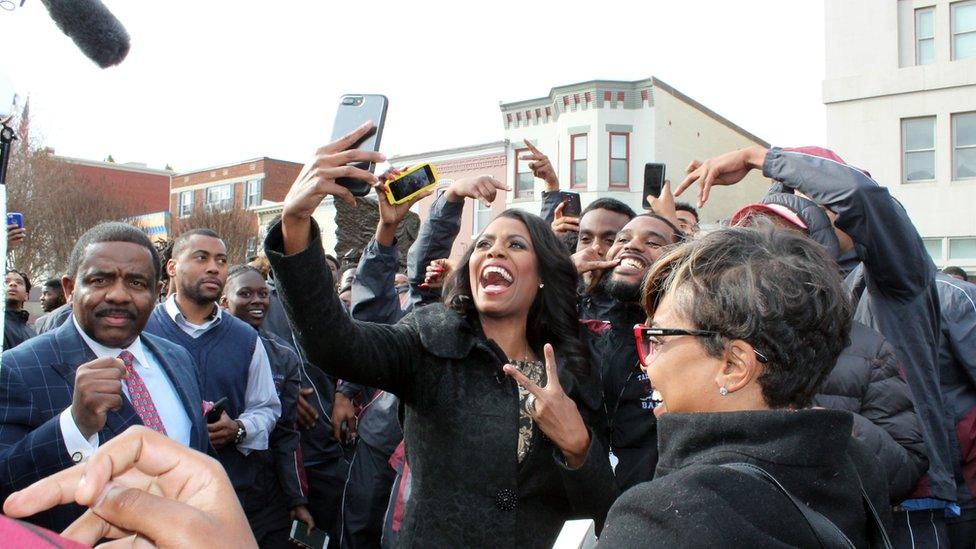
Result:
[
  {"x": 140, "y": 189},
  {"x": 239, "y": 186}
]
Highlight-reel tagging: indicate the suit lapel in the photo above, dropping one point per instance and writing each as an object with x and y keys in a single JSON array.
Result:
[
  {"x": 178, "y": 374},
  {"x": 73, "y": 353}
]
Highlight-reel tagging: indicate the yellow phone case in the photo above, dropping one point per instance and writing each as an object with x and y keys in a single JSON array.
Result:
[{"x": 409, "y": 197}]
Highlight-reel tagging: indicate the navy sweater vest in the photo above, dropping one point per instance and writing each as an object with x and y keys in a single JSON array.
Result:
[{"x": 223, "y": 356}]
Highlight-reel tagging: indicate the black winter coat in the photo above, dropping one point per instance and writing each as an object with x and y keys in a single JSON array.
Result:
[
  {"x": 867, "y": 382},
  {"x": 694, "y": 502},
  {"x": 626, "y": 395},
  {"x": 460, "y": 420}
]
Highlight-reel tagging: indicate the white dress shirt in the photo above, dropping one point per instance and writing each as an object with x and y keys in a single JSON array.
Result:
[
  {"x": 261, "y": 405},
  {"x": 161, "y": 389}
]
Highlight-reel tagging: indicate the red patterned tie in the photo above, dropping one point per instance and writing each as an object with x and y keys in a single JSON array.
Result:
[{"x": 139, "y": 395}]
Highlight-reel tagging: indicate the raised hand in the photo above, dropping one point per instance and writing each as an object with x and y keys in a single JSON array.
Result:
[
  {"x": 482, "y": 187},
  {"x": 727, "y": 169},
  {"x": 555, "y": 413},
  {"x": 15, "y": 236},
  {"x": 391, "y": 215},
  {"x": 98, "y": 389},
  {"x": 146, "y": 488},
  {"x": 437, "y": 272},
  {"x": 541, "y": 167},
  {"x": 562, "y": 224},
  {"x": 664, "y": 205},
  {"x": 318, "y": 180}
]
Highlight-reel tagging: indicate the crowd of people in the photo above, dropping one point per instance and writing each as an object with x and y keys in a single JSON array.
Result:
[{"x": 801, "y": 375}]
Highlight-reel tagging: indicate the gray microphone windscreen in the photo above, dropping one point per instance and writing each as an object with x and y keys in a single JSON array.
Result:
[{"x": 94, "y": 29}]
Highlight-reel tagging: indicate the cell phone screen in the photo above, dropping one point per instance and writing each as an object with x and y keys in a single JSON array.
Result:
[
  {"x": 409, "y": 184},
  {"x": 653, "y": 181}
]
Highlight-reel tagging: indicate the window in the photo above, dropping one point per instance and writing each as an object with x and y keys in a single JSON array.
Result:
[
  {"x": 481, "y": 218},
  {"x": 220, "y": 198},
  {"x": 252, "y": 193},
  {"x": 918, "y": 148},
  {"x": 963, "y": 29},
  {"x": 619, "y": 160},
  {"x": 964, "y": 145},
  {"x": 186, "y": 203},
  {"x": 577, "y": 168},
  {"x": 934, "y": 247},
  {"x": 524, "y": 180},
  {"x": 924, "y": 36},
  {"x": 252, "y": 247},
  {"x": 962, "y": 249}
]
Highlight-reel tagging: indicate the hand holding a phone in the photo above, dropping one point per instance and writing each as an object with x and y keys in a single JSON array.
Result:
[
  {"x": 147, "y": 488},
  {"x": 300, "y": 512},
  {"x": 15, "y": 235},
  {"x": 541, "y": 167},
  {"x": 391, "y": 215},
  {"x": 343, "y": 413},
  {"x": 482, "y": 187},
  {"x": 664, "y": 205},
  {"x": 562, "y": 224},
  {"x": 223, "y": 431},
  {"x": 318, "y": 180}
]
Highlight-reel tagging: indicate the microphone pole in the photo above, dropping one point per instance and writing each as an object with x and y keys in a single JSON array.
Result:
[{"x": 7, "y": 137}]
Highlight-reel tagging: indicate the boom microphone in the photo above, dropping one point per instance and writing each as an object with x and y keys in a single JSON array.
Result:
[{"x": 94, "y": 29}]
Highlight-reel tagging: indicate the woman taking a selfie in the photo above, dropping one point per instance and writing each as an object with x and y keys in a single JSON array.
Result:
[
  {"x": 504, "y": 433},
  {"x": 743, "y": 327}
]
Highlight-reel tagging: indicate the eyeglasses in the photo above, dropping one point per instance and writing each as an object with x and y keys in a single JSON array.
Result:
[{"x": 647, "y": 341}]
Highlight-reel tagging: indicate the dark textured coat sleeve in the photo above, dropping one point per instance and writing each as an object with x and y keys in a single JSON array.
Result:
[
  {"x": 381, "y": 356},
  {"x": 285, "y": 439},
  {"x": 550, "y": 199},
  {"x": 434, "y": 241},
  {"x": 374, "y": 297},
  {"x": 591, "y": 487},
  {"x": 887, "y": 242}
]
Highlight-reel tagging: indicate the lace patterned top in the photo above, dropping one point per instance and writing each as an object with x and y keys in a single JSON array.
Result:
[{"x": 536, "y": 371}]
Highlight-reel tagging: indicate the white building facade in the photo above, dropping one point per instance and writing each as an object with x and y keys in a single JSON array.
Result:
[
  {"x": 599, "y": 135},
  {"x": 900, "y": 92}
]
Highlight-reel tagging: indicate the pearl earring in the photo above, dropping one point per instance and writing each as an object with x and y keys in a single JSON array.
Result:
[
  {"x": 542, "y": 284},
  {"x": 723, "y": 391}
]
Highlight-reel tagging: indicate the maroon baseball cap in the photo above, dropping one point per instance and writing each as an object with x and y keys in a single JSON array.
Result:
[{"x": 747, "y": 212}]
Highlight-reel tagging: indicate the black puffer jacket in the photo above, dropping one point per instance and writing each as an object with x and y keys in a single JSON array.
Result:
[{"x": 867, "y": 382}]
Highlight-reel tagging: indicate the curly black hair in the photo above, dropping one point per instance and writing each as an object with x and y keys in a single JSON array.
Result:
[{"x": 553, "y": 316}]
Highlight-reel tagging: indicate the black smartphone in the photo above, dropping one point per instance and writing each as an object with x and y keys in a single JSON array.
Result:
[
  {"x": 354, "y": 111},
  {"x": 213, "y": 416},
  {"x": 653, "y": 181},
  {"x": 573, "y": 207},
  {"x": 316, "y": 539}
]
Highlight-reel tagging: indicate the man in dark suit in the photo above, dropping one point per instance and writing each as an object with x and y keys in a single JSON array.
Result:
[{"x": 64, "y": 393}]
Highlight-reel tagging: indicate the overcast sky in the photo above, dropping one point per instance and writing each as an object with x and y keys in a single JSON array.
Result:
[{"x": 212, "y": 82}]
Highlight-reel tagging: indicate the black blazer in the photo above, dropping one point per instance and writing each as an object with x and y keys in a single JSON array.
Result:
[{"x": 460, "y": 416}]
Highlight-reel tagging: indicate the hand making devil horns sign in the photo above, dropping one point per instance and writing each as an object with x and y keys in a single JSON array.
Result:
[{"x": 554, "y": 412}]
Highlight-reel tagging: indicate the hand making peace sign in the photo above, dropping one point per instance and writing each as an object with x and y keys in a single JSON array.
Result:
[{"x": 554, "y": 412}]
